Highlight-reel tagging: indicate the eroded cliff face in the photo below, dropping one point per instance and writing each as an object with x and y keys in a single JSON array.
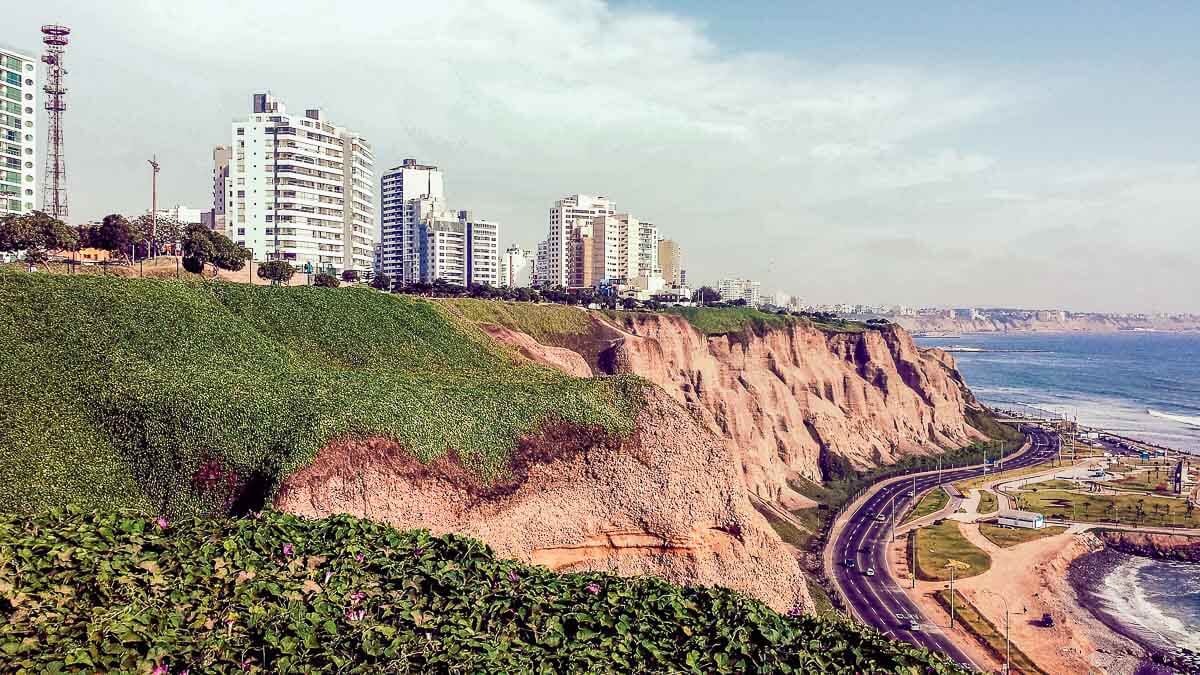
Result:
[
  {"x": 667, "y": 501},
  {"x": 1158, "y": 545},
  {"x": 787, "y": 399}
]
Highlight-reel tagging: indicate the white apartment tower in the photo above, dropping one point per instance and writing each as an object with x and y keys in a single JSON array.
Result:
[
  {"x": 516, "y": 268},
  {"x": 216, "y": 218},
  {"x": 402, "y": 187},
  {"x": 300, "y": 189},
  {"x": 566, "y": 214},
  {"x": 744, "y": 289},
  {"x": 18, "y": 131}
]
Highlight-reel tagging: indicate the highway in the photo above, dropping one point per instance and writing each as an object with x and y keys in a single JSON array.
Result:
[{"x": 879, "y": 600}]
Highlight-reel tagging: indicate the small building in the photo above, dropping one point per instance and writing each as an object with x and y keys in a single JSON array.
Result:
[{"x": 1026, "y": 519}]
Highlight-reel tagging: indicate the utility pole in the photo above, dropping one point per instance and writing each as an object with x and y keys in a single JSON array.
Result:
[
  {"x": 1007, "y": 642},
  {"x": 893, "y": 519},
  {"x": 153, "y": 203}
]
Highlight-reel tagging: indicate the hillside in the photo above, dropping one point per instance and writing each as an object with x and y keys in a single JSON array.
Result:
[
  {"x": 792, "y": 399},
  {"x": 214, "y": 398},
  {"x": 199, "y": 398},
  {"x": 126, "y": 593}
]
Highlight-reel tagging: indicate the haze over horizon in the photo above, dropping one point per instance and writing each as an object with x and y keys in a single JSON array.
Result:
[{"x": 1030, "y": 154}]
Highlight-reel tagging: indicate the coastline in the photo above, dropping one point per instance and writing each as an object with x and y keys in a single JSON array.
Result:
[{"x": 1086, "y": 576}]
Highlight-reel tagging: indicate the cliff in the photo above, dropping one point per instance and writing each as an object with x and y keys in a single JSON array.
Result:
[
  {"x": 1152, "y": 544},
  {"x": 790, "y": 398},
  {"x": 667, "y": 501}
]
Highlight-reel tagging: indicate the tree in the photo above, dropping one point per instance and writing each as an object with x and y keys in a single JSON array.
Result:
[
  {"x": 278, "y": 271},
  {"x": 381, "y": 282},
  {"x": 705, "y": 295},
  {"x": 202, "y": 246},
  {"x": 167, "y": 233},
  {"x": 36, "y": 234},
  {"x": 115, "y": 235},
  {"x": 629, "y": 303},
  {"x": 349, "y": 276},
  {"x": 325, "y": 280}
]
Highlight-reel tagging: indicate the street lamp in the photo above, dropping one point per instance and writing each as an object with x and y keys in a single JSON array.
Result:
[{"x": 1007, "y": 644}]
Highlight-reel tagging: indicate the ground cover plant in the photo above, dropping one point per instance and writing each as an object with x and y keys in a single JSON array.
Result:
[
  {"x": 1011, "y": 536},
  {"x": 931, "y": 502},
  {"x": 938, "y": 544},
  {"x": 725, "y": 320},
  {"x": 198, "y": 397},
  {"x": 542, "y": 322},
  {"x": 274, "y": 593},
  {"x": 1128, "y": 509},
  {"x": 987, "y": 502}
]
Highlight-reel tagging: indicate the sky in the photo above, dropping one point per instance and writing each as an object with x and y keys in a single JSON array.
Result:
[{"x": 1020, "y": 154}]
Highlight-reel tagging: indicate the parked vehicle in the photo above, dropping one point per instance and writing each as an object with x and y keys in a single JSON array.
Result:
[{"x": 870, "y": 571}]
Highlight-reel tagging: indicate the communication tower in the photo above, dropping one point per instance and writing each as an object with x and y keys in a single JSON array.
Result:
[{"x": 54, "y": 187}]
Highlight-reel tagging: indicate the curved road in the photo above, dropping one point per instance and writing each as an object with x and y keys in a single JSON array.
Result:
[{"x": 878, "y": 600}]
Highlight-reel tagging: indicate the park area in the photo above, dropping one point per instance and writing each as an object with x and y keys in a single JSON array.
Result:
[{"x": 940, "y": 543}]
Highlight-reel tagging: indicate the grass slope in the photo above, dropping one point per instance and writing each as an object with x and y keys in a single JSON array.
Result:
[
  {"x": 1007, "y": 537},
  {"x": 116, "y": 592},
  {"x": 725, "y": 320},
  {"x": 189, "y": 397}
]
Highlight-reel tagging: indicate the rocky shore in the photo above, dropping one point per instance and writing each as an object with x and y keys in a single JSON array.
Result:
[{"x": 1087, "y": 575}]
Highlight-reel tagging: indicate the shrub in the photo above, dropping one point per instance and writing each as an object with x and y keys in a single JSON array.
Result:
[
  {"x": 193, "y": 264},
  {"x": 282, "y": 594},
  {"x": 349, "y": 276},
  {"x": 324, "y": 280},
  {"x": 381, "y": 282},
  {"x": 277, "y": 271}
]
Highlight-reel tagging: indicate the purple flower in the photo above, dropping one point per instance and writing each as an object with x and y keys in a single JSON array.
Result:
[
  {"x": 355, "y": 614},
  {"x": 357, "y": 597},
  {"x": 245, "y": 664},
  {"x": 512, "y": 576},
  {"x": 418, "y": 551},
  {"x": 796, "y": 611},
  {"x": 288, "y": 550},
  {"x": 593, "y": 588},
  {"x": 328, "y": 574},
  {"x": 162, "y": 522},
  {"x": 358, "y": 557},
  {"x": 160, "y": 669}
]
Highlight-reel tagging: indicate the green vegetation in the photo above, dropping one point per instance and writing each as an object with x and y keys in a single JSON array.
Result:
[
  {"x": 542, "y": 322},
  {"x": 725, "y": 320},
  {"x": 981, "y": 420},
  {"x": 986, "y": 633},
  {"x": 965, "y": 486},
  {"x": 932, "y": 502},
  {"x": 200, "y": 397},
  {"x": 118, "y": 592},
  {"x": 1128, "y": 509},
  {"x": 938, "y": 544},
  {"x": 1006, "y": 537},
  {"x": 788, "y": 532},
  {"x": 987, "y": 502},
  {"x": 1153, "y": 479},
  {"x": 1055, "y": 484}
]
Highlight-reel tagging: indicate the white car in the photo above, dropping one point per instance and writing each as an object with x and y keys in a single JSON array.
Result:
[
  {"x": 870, "y": 571},
  {"x": 880, "y": 517}
]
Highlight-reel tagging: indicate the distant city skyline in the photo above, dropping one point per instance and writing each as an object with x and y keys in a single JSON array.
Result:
[{"x": 1024, "y": 155}]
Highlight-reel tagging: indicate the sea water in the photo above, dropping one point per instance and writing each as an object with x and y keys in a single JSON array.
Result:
[{"x": 1110, "y": 381}]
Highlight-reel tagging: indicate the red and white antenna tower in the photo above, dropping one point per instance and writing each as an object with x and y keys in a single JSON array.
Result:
[{"x": 54, "y": 187}]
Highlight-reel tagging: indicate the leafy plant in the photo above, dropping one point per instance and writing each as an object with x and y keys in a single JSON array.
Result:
[
  {"x": 323, "y": 280},
  {"x": 277, "y": 271},
  {"x": 124, "y": 592}
]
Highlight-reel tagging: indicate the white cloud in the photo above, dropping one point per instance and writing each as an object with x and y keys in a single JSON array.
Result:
[{"x": 740, "y": 155}]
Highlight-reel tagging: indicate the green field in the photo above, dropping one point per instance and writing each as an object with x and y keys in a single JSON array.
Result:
[
  {"x": 932, "y": 502},
  {"x": 985, "y": 632},
  {"x": 1096, "y": 508},
  {"x": 987, "y": 502},
  {"x": 938, "y": 544},
  {"x": 119, "y": 592},
  {"x": 199, "y": 397},
  {"x": 1011, "y": 536},
  {"x": 542, "y": 322}
]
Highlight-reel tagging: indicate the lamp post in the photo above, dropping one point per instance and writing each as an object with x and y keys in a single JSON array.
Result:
[
  {"x": 153, "y": 203},
  {"x": 1007, "y": 643}
]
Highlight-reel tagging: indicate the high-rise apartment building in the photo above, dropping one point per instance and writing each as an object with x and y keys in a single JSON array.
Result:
[
  {"x": 455, "y": 247},
  {"x": 739, "y": 289},
  {"x": 401, "y": 187},
  {"x": 18, "y": 132},
  {"x": 670, "y": 261},
  {"x": 220, "y": 173},
  {"x": 300, "y": 189},
  {"x": 565, "y": 215},
  {"x": 516, "y": 268},
  {"x": 648, "y": 265}
]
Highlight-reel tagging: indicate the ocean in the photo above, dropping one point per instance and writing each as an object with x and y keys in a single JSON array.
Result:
[{"x": 1110, "y": 381}]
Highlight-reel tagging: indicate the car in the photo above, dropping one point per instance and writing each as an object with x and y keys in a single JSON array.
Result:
[
  {"x": 870, "y": 571},
  {"x": 848, "y": 563},
  {"x": 914, "y": 626},
  {"x": 912, "y": 493},
  {"x": 880, "y": 517}
]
